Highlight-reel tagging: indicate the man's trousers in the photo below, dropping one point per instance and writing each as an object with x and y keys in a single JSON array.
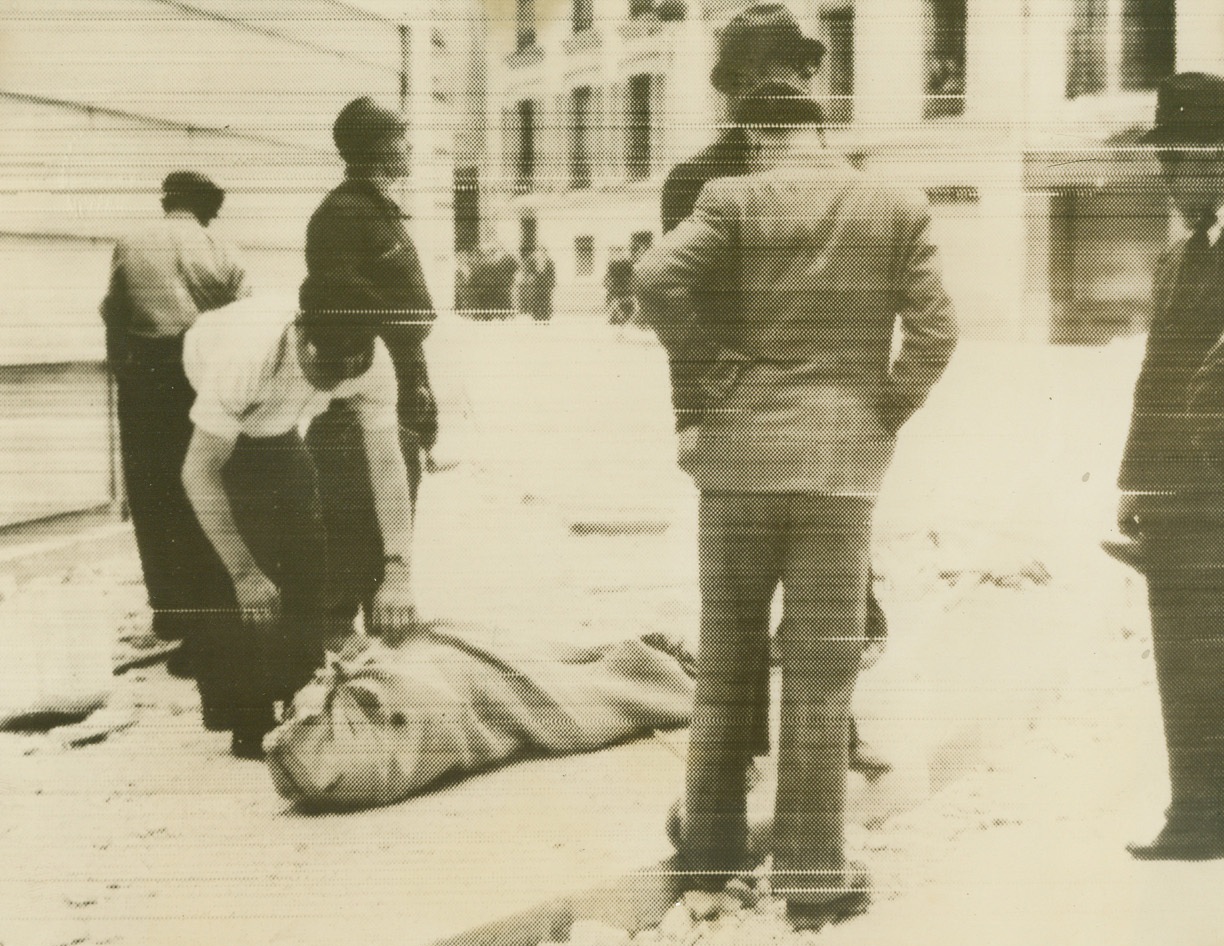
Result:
[
  {"x": 818, "y": 547},
  {"x": 243, "y": 670},
  {"x": 1185, "y": 572},
  {"x": 181, "y": 571},
  {"x": 354, "y": 538}
]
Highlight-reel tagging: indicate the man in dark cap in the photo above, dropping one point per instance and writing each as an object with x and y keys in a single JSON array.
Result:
[
  {"x": 359, "y": 229},
  {"x": 261, "y": 369},
  {"x": 1172, "y": 477},
  {"x": 827, "y": 261},
  {"x": 163, "y": 276}
]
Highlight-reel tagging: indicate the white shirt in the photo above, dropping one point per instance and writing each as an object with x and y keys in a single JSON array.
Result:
[{"x": 242, "y": 361}]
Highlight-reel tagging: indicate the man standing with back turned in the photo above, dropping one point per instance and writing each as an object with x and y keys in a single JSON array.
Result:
[
  {"x": 163, "y": 276},
  {"x": 760, "y": 44},
  {"x": 788, "y": 468},
  {"x": 1172, "y": 474}
]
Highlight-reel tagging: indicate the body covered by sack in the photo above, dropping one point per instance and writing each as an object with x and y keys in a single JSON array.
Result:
[{"x": 390, "y": 722}]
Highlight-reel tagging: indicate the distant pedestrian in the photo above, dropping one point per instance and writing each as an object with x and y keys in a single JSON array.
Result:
[
  {"x": 260, "y": 371},
  {"x": 618, "y": 286},
  {"x": 491, "y": 288},
  {"x": 536, "y": 280},
  {"x": 163, "y": 275},
  {"x": 828, "y": 261},
  {"x": 1172, "y": 475},
  {"x": 358, "y": 231}
]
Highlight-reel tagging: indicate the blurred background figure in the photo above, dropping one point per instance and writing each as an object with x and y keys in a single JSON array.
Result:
[
  {"x": 536, "y": 280},
  {"x": 618, "y": 286},
  {"x": 163, "y": 275},
  {"x": 491, "y": 286}
]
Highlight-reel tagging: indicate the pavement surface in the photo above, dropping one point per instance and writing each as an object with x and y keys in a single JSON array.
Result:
[{"x": 1016, "y": 700}]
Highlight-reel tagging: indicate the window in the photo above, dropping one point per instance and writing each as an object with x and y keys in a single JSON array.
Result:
[
  {"x": 525, "y": 24},
  {"x": 580, "y": 138},
  {"x": 945, "y": 59},
  {"x": 838, "y": 27},
  {"x": 584, "y": 255},
  {"x": 583, "y": 15},
  {"x": 1086, "y": 49},
  {"x": 637, "y": 144},
  {"x": 641, "y": 7},
  {"x": 525, "y": 171},
  {"x": 1148, "y": 47}
]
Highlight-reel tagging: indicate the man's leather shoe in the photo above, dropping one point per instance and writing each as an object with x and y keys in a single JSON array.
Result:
[
  {"x": 849, "y": 896},
  {"x": 1187, "y": 839}
]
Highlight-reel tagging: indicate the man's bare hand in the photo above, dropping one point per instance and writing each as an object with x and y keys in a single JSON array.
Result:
[
  {"x": 258, "y": 598},
  {"x": 1130, "y": 509},
  {"x": 394, "y": 613}
]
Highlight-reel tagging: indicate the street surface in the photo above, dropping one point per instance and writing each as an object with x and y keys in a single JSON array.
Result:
[{"x": 1016, "y": 699}]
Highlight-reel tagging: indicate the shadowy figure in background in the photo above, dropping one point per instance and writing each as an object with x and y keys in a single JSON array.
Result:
[
  {"x": 358, "y": 231},
  {"x": 618, "y": 286},
  {"x": 826, "y": 261},
  {"x": 491, "y": 285},
  {"x": 163, "y": 276},
  {"x": 1172, "y": 474},
  {"x": 536, "y": 280}
]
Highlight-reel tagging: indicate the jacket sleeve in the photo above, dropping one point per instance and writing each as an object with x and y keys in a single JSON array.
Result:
[
  {"x": 1137, "y": 470},
  {"x": 114, "y": 307},
  {"x": 665, "y": 278},
  {"x": 928, "y": 324},
  {"x": 354, "y": 234}
]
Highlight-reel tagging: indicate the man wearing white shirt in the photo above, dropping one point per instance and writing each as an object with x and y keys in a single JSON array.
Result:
[{"x": 261, "y": 371}]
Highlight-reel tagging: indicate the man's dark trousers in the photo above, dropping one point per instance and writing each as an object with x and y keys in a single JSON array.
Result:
[
  {"x": 181, "y": 571},
  {"x": 817, "y": 545},
  {"x": 1186, "y": 598},
  {"x": 270, "y": 482},
  {"x": 354, "y": 538}
]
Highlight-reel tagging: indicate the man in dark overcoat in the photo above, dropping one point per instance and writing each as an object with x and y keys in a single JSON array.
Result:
[{"x": 1171, "y": 478}]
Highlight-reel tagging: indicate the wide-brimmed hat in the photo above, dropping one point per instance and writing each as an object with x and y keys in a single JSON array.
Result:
[
  {"x": 363, "y": 129},
  {"x": 763, "y": 34},
  {"x": 774, "y": 104},
  {"x": 1189, "y": 111}
]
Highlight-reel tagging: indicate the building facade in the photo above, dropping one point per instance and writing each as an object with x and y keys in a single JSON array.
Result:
[{"x": 1018, "y": 119}]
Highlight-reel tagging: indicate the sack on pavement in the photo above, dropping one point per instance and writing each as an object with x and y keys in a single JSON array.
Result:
[{"x": 389, "y": 722}]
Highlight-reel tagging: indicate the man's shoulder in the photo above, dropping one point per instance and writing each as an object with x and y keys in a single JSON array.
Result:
[
  {"x": 349, "y": 199},
  {"x": 723, "y": 157}
]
